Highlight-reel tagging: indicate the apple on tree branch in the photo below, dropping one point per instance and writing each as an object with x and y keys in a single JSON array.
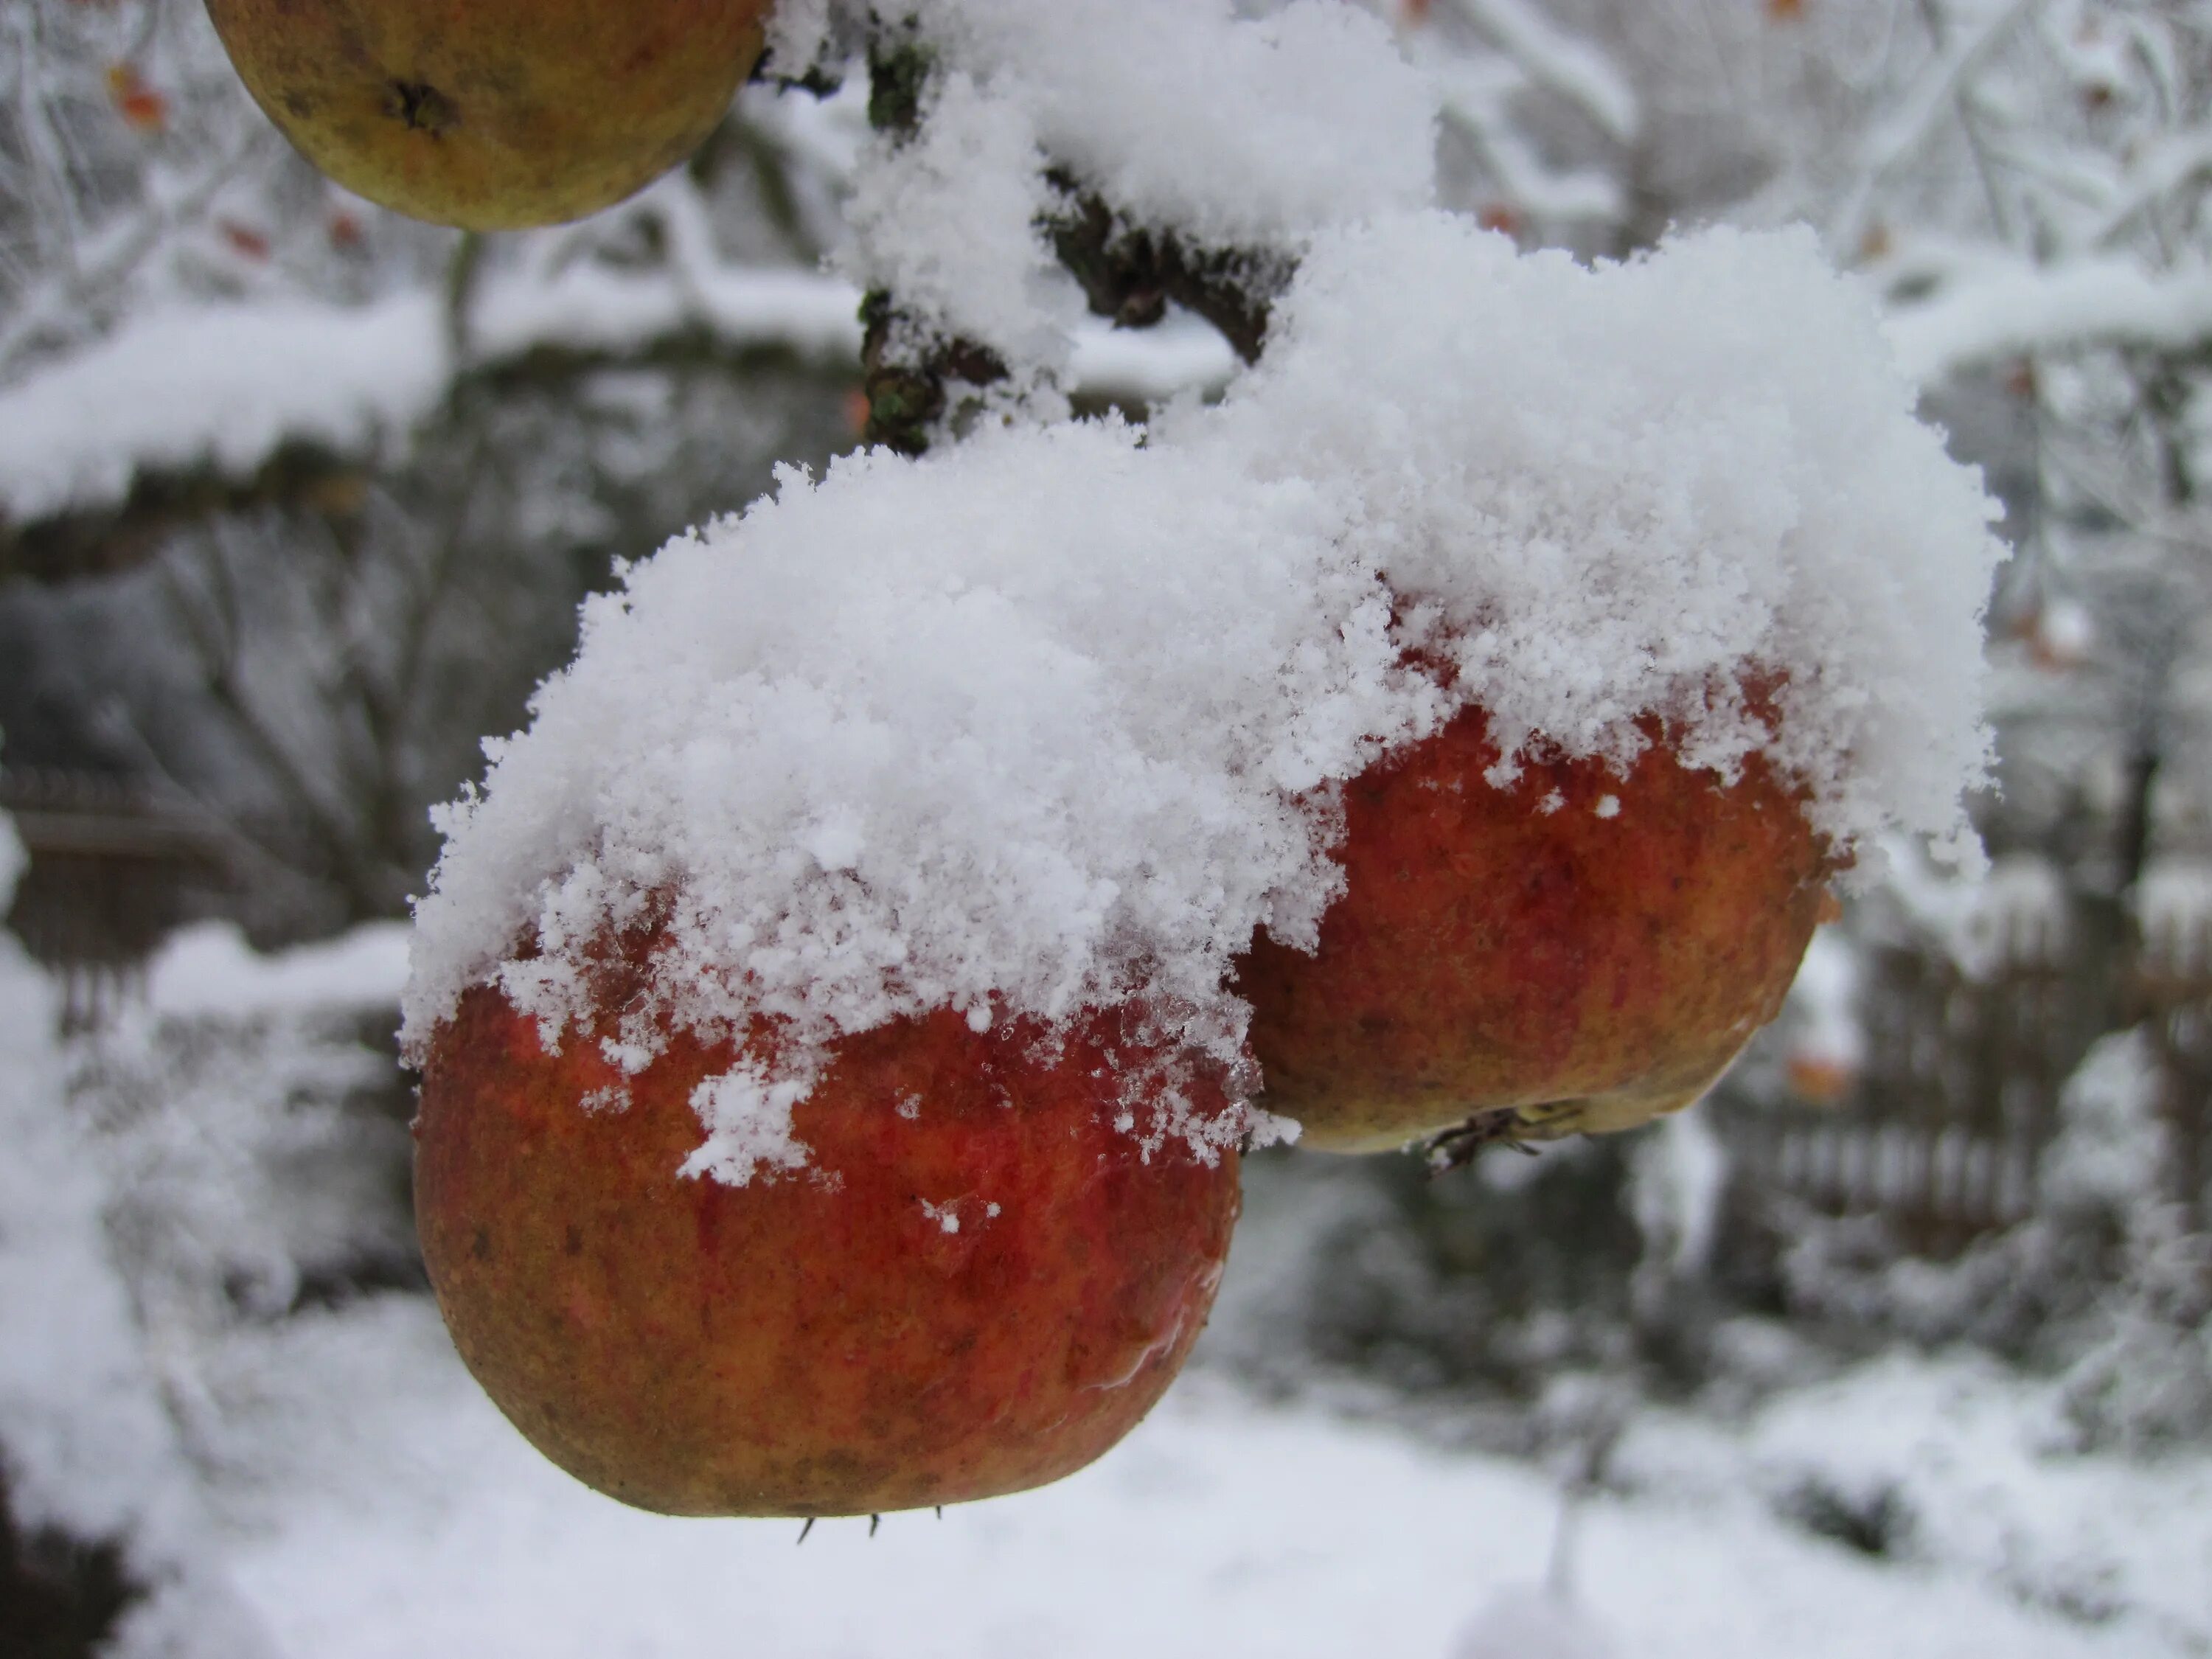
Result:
[{"x": 841, "y": 1010}]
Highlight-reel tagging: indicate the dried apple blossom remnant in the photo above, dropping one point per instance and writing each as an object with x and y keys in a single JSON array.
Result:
[{"x": 1054, "y": 718}]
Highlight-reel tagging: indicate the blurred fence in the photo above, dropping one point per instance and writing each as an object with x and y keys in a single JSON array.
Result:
[
  {"x": 2171, "y": 995},
  {"x": 111, "y": 870},
  {"x": 1942, "y": 1127}
]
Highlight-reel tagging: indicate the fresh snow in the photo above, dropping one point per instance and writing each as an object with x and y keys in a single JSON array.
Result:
[
  {"x": 217, "y": 386},
  {"x": 1231, "y": 130},
  {"x": 89, "y": 1448},
  {"x": 209, "y": 970},
  {"x": 1053, "y": 717},
  {"x": 386, "y": 1510},
  {"x": 224, "y": 388},
  {"x": 2025, "y": 310},
  {"x": 1971, "y": 1458}
]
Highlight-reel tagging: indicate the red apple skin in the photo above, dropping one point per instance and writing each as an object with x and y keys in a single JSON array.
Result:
[
  {"x": 1585, "y": 972},
  {"x": 814, "y": 1342}
]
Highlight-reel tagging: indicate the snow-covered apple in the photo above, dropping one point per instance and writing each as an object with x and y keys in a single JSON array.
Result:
[
  {"x": 936, "y": 782},
  {"x": 500, "y": 114},
  {"x": 980, "y": 1279},
  {"x": 1577, "y": 949}
]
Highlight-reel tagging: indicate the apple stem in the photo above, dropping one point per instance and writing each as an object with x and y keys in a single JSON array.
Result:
[
  {"x": 1456, "y": 1148},
  {"x": 874, "y": 1520},
  {"x": 808, "y": 1528}
]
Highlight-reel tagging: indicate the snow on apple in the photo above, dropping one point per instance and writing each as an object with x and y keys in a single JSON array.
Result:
[{"x": 1057, "y": 718}]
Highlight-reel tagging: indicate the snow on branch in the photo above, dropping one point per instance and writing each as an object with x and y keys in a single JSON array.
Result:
[
  {"x": 1558, "y": 62},
  {"x": 219, "y": 386},
  {"x": 224, "y": 388},
  {"x": 1891, "y": 146},
  {"x": 1474, "y": 95},
  {"x": 2023, "y": 310}
]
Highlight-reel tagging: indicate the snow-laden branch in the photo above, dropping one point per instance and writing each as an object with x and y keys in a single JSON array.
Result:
[
  {"x": 1892, "y": 145},
  {"x": 1474, "y": 95},
  {"x": 215, "y": 386},
  {"x": 596, "y": 309},
  {"x": 1559, "y": 63},
  {"x": 223, "y": 388},
  {"x": 2001, "y": 313},
  {"x": 2165, "y": 166}
]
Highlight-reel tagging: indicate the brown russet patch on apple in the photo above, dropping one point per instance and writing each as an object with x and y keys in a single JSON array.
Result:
[
  {"x": 1584, "y": 949},
  {"x": 817, "y": 1341},
  {"x": 498, "y": 114}
]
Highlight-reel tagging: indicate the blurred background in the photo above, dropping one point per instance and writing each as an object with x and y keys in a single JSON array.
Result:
[{"x": 1899, "y": 1341}]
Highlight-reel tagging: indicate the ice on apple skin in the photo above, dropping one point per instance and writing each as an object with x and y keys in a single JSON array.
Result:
[
  {"x": 979, "y": 1282},
  {"x": 499, "y": 114},
  {"x": 1583, "y": 948}
]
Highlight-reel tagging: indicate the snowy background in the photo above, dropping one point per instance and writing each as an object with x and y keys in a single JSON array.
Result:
[{"x": 1898, "y": 1345}]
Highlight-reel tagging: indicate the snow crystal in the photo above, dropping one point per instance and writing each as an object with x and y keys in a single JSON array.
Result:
[
  {"x": 747, "y": 1114},
  {"x": 1191, "y": 114},
  {"x": 1053, "y": 719},
  {"x": 225, "y": 387},
  {"x": 88, "y": 1445},
  {"x": 798, "y": 32}
]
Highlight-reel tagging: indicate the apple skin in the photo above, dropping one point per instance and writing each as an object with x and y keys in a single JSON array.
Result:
[
  {"x": 815, "y": 1342},
  {"x": 492, "y": 114},
  {"x": 1586, "y": 972}
]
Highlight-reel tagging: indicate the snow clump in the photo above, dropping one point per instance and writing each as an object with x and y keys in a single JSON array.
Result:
[
  {"x": 1030, "y": 727},
  {"x": 1231, "y": 129},
  {"x": 1601, "y": 492},
  {"x": 1054, "y": 718}
]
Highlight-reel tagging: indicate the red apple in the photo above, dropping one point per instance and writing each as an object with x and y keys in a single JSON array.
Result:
[
  {"x": 1575, "y": 952},
  {"x": 978, "y": 1283}
]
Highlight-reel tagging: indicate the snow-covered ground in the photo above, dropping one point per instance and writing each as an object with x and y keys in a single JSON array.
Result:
[
  {"x": 376, "y": 1505},
  {"x": 347, "y": 1487}
]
